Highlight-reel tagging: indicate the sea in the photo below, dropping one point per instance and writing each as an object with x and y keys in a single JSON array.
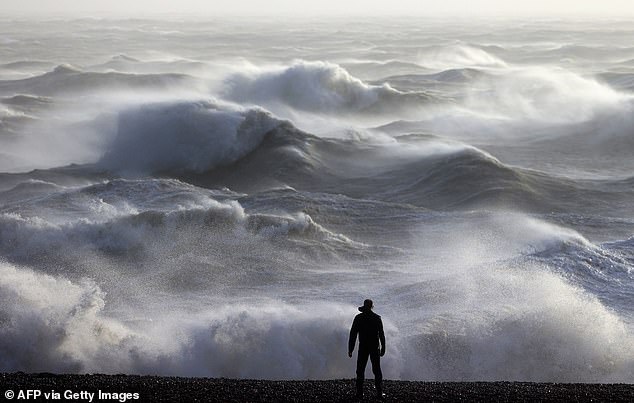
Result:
[{"x": 215, "y": 197}]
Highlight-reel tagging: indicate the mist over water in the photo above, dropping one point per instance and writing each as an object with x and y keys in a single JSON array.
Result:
[{"x": 215, "y": 198}]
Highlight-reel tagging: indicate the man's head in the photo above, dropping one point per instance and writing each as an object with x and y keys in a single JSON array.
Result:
[{"x": 367, "y": 305}]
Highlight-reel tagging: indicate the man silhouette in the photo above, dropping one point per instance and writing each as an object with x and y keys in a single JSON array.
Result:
[{"x": 369, "y": 327}]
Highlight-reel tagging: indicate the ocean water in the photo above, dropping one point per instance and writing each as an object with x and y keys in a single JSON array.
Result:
[{"x": 216, "y": 197}]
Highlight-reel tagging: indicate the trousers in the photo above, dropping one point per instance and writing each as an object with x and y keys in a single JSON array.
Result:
[{"x": 362, "y": 361}]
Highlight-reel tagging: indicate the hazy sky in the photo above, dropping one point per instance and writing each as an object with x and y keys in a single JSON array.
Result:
[{"x": 313, "y": 7}]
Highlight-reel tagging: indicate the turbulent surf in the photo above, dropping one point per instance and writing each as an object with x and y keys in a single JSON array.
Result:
[{"x": 215, "y": 198}]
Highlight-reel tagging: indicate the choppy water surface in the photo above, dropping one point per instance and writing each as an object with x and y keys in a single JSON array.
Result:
[{"x": 215, "y": 198}]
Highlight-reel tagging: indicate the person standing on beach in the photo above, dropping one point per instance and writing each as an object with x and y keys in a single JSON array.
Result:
[{"x": 369, "y": 327}]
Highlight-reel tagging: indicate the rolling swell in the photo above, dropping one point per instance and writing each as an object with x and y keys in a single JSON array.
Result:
[
  {"x": 26, "y": 101},
  {"x": 446, "y": 80},
  {"x": 455, "y": 178},
  {"x": 66, "y": 79},
  {"x": 214, "y": 144}
]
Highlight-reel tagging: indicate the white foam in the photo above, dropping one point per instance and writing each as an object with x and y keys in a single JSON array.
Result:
[
  {"x": 529, "y": 326},
  {"x": 484, "y": 310},
  {"x": 522, "y": 324},
  {"x": 137, "y": 222},
  {"x": 266, "y": 340},
  {"x": 51, "y": 324},
  {"x": 458, "y": 56}
]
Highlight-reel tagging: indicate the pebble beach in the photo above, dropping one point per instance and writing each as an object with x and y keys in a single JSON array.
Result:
[{"x": 167, "y": 389}]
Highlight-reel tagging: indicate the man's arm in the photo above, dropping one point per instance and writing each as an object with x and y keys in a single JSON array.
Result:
[
  {"x": 381, "y": 337},
  {"x": 353, "y": 336}
]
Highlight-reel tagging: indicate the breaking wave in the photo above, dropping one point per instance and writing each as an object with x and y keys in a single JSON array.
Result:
[
  {"x": 50, "y": 324},
  {"x": 189, "y": 136},
  {"x": 122, "y": 218},
  {"x": 57, "y": 325},
  {"x": 559, "y": 333},
  {"x": 547, "y": 339},
  {"x": 318, "y": 87}
]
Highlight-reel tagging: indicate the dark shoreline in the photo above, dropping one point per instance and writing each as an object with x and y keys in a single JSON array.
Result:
[{"x": 158, "y": 388}]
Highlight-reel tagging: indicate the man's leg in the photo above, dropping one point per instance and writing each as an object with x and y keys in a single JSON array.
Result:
[
  {"x": 362, "y": 361},
  {"x": 375, "y": 359}
]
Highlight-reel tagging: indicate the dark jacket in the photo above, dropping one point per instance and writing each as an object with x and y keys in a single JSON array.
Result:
[{"x": 369, "y": 327}]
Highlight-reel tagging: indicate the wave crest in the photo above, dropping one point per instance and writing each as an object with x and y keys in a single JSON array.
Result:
[
  {"x": 315, "y": 87},
  {"x": 457, "y": 56},
  {"x": 185, "y": 137}
]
